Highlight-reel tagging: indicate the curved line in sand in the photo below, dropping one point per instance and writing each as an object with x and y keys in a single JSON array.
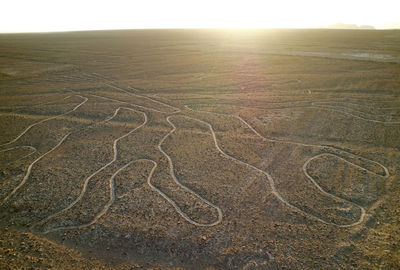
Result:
[
  {"x": 29, "y": 170},
  {"x": 324, "y": 147},
  {"x": 305, "y": 165},
  {"x": 111, "y": 84},
  {"x": 269, "y": 177},
  {"x": 356, "y": 116},
  {"x": 106, "y": 206},
  {"x": 131, "y": 104},
  {"x": 36, "y": 105},
  {"x": 176, "y": 110},
  {"x": 331, "y": 108},
  {"x": 34, "y": 150},
  {"x": 44, "y": 120},
  {"x": 112, "y": 195},
  {"x": 271, "y": 181},
  {"x": 172, "y": 173},
  {"x": 115, "y": 156}
]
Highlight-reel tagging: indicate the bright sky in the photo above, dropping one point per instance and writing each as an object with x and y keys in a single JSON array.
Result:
[{"x": 66, "y": 15}]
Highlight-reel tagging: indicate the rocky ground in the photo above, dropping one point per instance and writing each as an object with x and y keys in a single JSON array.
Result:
[{"x": 200, "y": 149}]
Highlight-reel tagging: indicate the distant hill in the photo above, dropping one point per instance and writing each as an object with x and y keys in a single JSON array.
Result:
[
  {"x": 349, "y": 26},
  {"x": 390, "y": 26}
]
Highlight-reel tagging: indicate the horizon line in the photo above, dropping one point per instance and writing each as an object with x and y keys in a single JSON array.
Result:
[{"x": 197, "y": 28}]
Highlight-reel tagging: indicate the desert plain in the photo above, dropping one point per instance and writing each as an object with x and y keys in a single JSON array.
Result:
[{"x": 200, "y": 149}]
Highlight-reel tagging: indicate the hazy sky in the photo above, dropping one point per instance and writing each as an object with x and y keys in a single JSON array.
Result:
[{"x": 65, "y": 15}]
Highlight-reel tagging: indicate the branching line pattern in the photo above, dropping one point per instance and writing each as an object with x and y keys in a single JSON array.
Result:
[{"x": 330, "y": 152}]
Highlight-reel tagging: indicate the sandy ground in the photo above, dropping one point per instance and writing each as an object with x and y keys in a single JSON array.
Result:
[{"x": 200, "y": 149}]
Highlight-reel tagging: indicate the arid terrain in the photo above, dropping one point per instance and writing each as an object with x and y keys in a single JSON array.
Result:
[{"x": 200, "y": 149}]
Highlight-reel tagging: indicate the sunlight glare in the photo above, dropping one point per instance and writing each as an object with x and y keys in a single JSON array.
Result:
[{"x": 47, "y": 15}]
